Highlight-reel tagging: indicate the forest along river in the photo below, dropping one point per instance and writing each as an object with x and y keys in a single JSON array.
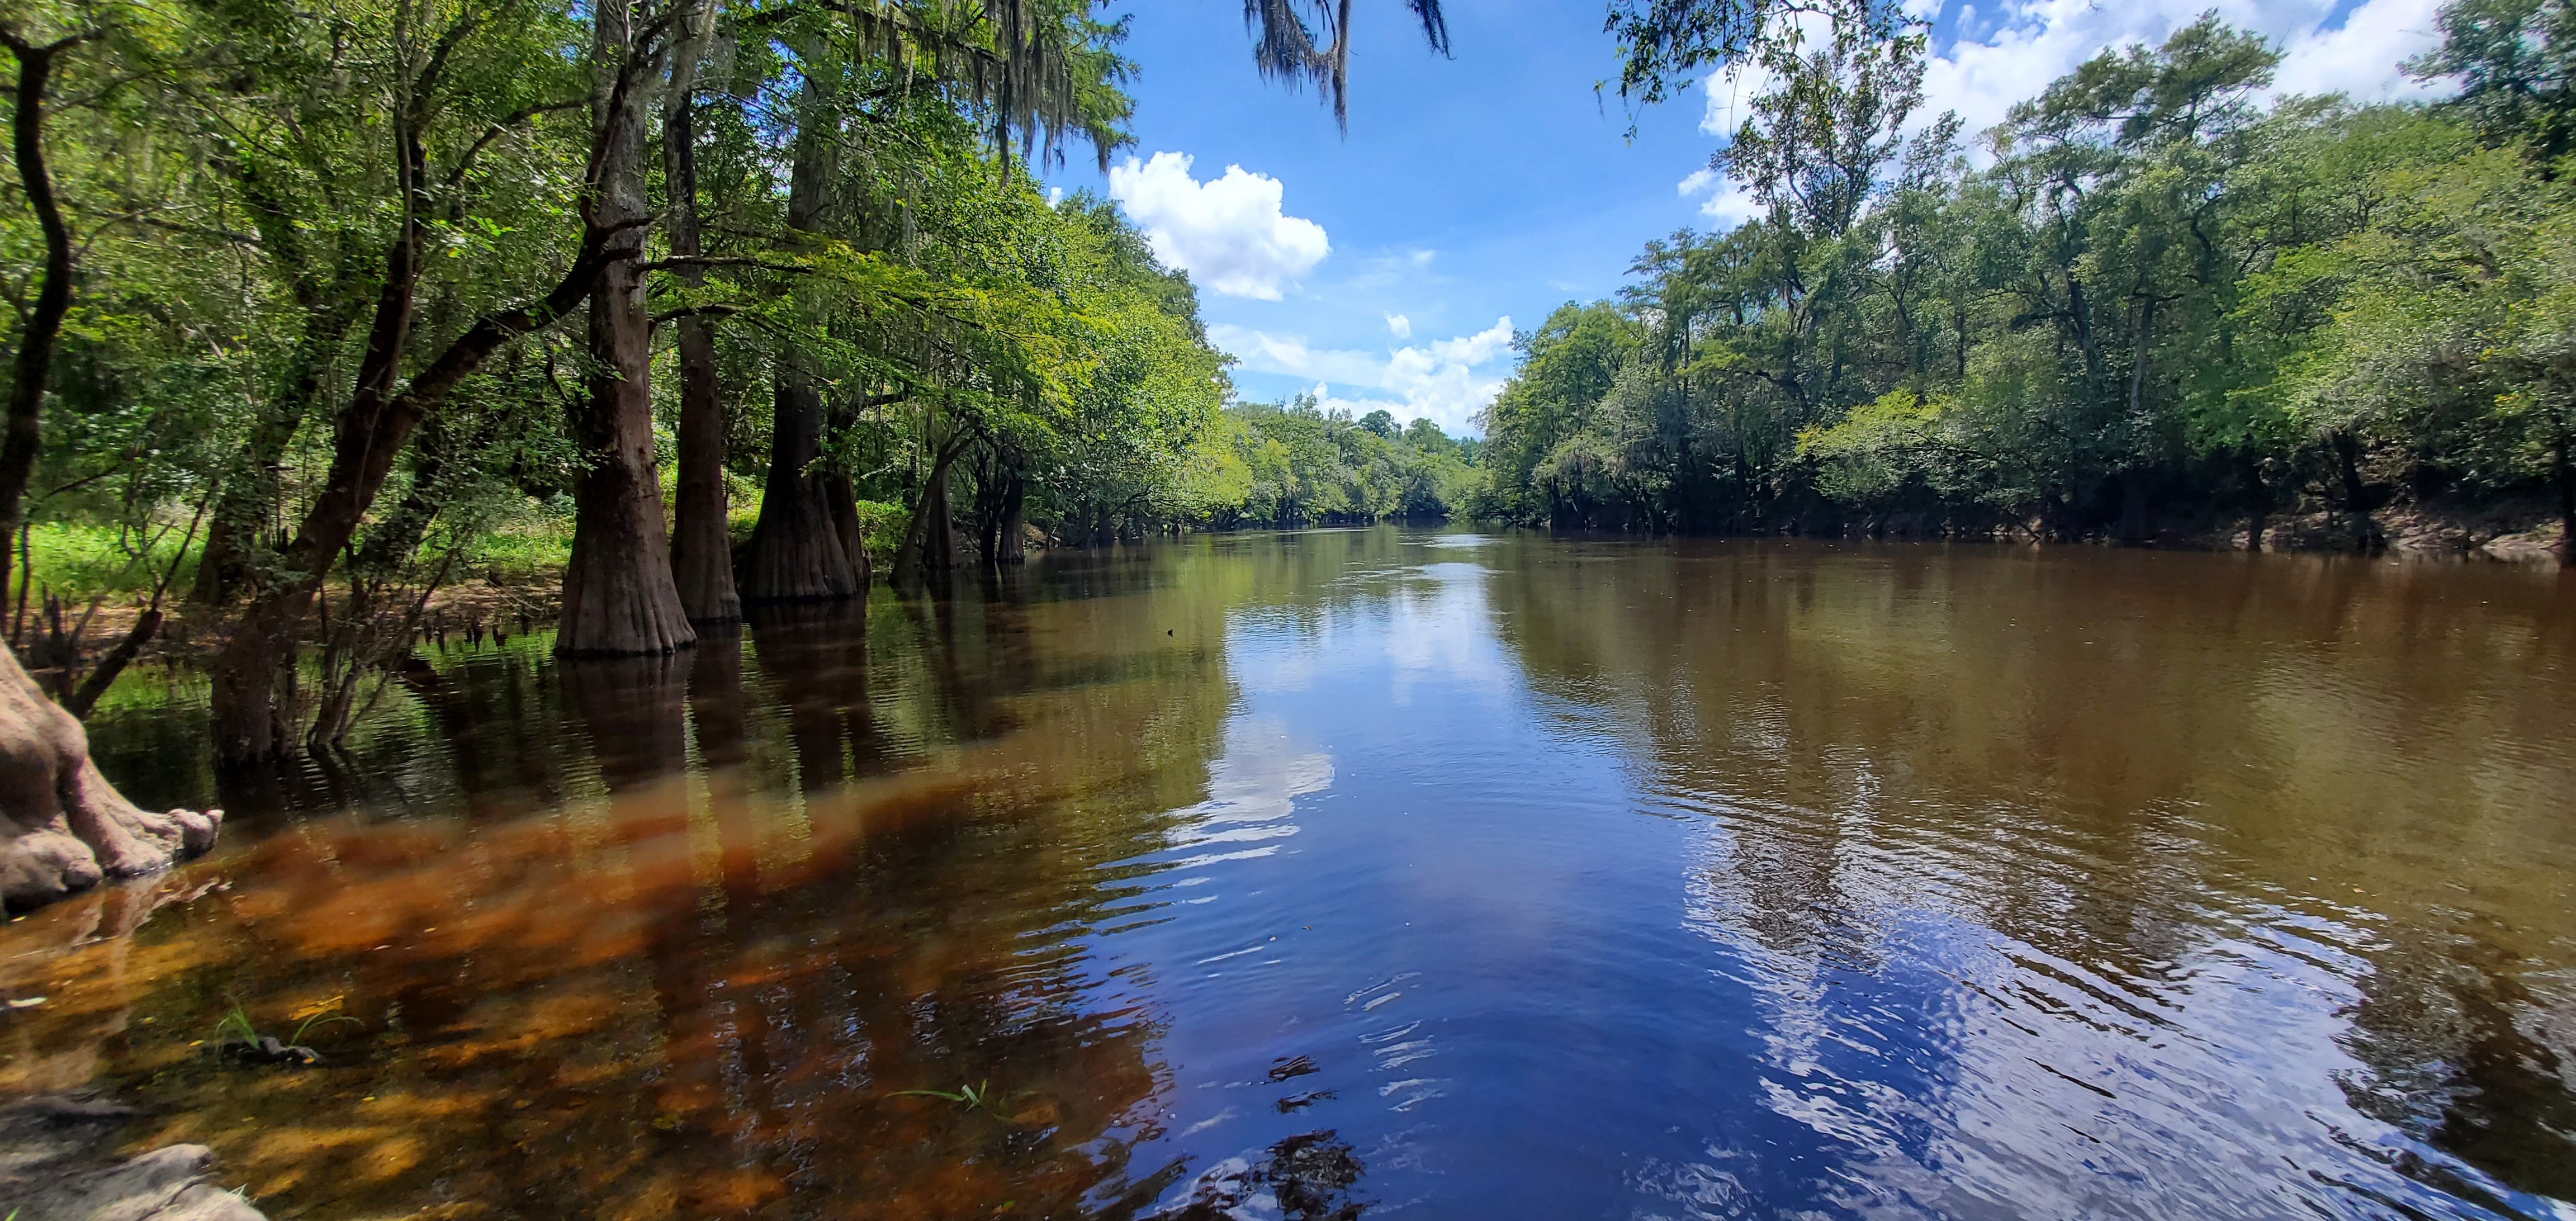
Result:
[{"x": 1400, "y": 872}]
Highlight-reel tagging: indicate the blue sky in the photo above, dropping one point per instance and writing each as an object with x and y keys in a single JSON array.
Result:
[{"x": 1475, "y": 193}]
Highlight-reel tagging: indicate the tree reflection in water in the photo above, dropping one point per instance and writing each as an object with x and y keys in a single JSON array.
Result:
[
  {"x": 1310, "y": 875},
  {"x": 2091, "y": 796},
  {"x": 789, "y": 901}
]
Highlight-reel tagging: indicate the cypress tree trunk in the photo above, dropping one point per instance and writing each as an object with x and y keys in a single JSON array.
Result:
[
  {"x": 2133, "y": 482},
  {"x": 2262, "y": 496},
  {"x": 939, "y": 548},
  {"x": 797, "y": 552},
  {"x": 915, "y": 553},
  {"x": 2356, "y": 494},
  {"x": 845, "y": 522},
  {"x": 2133, "y": 505},
  {"x": 618, "y": 596},
  {"x": 701, "y": 540},
  {"x": 2566, "y": 501},
  {"x": 701, "y": 544},
  {"x": 1013, "y": 548}
]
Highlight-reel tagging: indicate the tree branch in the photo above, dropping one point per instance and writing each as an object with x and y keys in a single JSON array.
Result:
[
  {"x": 465, "y": 161},
  {"x": 695, "y": 311}
]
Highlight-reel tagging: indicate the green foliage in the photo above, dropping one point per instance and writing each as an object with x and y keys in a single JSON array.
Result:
[
  {"x": 236, "y": 1026},
  {"x": 237, "y": 172},
  {"x": 1295, "y": 464},
  {"x": 2515, "y": 61},
  {"x": 2159, "y": 294}
]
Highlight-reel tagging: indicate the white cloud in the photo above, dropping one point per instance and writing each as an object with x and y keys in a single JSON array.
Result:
[
  {"x": 1728, "y": 203},
  {"x": 2013, "y": 49},
  {"x": 1326, "y": 400},
  {"x": 1473, "y": 349},
  {"x": 1400, "y": 326},
  {"x": 1449, "y": 380},
  {"x": 1263, "y": 352},
  {"x": 2357, "y": 59},
  {"x": 1228, "y": 233}
]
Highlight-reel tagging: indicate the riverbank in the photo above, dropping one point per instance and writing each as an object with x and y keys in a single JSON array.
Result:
[
  {"x": 508, "y": 600},
  {"x": 2515, "y": 532}
]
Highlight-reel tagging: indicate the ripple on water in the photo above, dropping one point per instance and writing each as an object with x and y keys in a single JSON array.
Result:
[{"x": 1372, "y": 871}]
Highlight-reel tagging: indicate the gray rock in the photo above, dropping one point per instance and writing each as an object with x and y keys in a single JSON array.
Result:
[{"x": 52, "y": 1168}]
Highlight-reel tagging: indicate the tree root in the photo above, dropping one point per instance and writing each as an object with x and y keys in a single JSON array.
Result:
[{"x": 63, "y": 827}]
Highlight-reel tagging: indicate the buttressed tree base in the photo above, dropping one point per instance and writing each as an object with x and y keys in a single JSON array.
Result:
[{"x": 63, "y": 827}]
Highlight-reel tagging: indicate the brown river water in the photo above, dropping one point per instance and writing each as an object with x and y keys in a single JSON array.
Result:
[{"x": 1363, "y": 873}]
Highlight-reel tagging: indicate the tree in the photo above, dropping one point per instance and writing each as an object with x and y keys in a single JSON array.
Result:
[
  {"x": 701, "y": 540},
  {"x": 34, "y": 358},
  {"x": 618, "y": 595},
  {"x": 2163, "y": 299},
  {"x": 478, "y": 63},
  {"x": 2515, "y": 61},
  {"x": 63, "y": 827}
]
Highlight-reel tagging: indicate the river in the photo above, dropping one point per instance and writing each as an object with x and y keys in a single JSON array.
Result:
[{"x": 1381, "y": 872}]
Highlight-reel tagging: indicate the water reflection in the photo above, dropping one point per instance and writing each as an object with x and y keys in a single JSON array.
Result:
[
  {"x": 2059, "y": 878},
  {"x": 726, "y": 955},
  {"x": 1359, "y": 872}
]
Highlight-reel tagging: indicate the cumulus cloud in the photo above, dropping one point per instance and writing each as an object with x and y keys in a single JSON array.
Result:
[
  {"x": 1399, "y": 326},
  {"x": 2359, "y": 58},
  {"x": 1326, "y": 400},
  {"x": 1229, "y": 232},
  {"x": 1473, "y": 349},
  {"x": 2007, "y": 51},
  {"x": 1448, "y": 380},
  {"x": 2011, "y": 50},
  {"x": 1728, "y": 203},
  {"x": 1263, "y": 352}
]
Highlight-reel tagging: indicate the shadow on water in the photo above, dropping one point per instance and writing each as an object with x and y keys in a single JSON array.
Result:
[{"x": 1353, "y": 872}]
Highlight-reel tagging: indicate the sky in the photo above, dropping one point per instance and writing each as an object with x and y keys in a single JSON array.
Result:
[{"x": 1388, "y": 266}]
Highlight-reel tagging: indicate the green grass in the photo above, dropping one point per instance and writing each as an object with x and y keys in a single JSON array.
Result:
[
  {"x": 237, "y": 1026},
  {"x": 79, "y": 562},
  {"x": 532, "y": 549}
]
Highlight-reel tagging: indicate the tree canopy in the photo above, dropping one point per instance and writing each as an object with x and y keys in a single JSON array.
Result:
[{"x": 2157, "y": 299}]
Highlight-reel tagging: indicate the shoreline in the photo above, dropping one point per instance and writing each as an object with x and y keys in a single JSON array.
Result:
[{"x": 2504, "y": 535}]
